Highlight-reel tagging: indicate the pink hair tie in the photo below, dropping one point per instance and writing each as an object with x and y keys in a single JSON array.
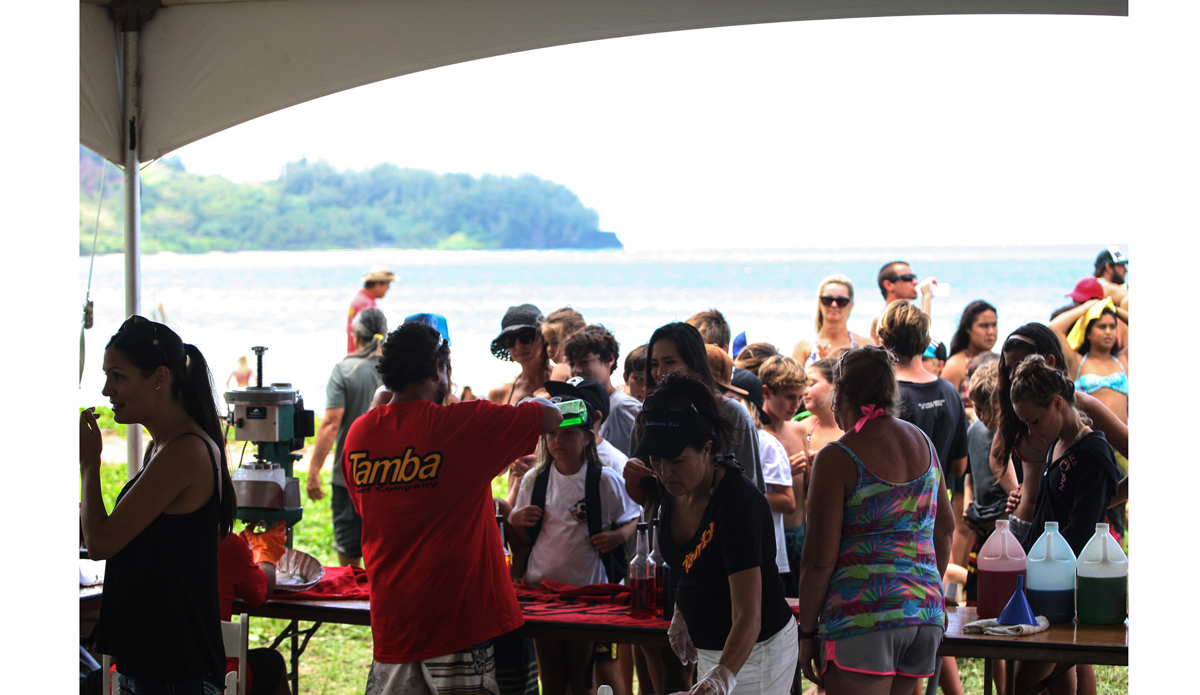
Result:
[{"x": 870, "y": 412}]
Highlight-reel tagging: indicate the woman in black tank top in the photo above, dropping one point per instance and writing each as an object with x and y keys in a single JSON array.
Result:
[{"x": 159, "y": 616}]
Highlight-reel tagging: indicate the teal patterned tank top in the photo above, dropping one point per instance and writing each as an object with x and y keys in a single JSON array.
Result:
[{"x": 886, "y": 574}]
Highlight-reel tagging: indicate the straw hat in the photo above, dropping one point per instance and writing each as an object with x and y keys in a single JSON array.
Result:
[{"x": 379, "y": 273}]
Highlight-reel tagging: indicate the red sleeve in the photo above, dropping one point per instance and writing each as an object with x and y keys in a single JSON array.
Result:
[
  {"x": 512, "y": 431},
  {"x": 239, "y": 577}
]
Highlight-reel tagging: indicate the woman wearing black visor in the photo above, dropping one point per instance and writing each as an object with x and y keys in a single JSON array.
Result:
[{"x": 716, "y": 532}]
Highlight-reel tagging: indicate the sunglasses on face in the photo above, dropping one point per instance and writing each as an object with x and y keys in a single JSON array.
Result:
[
  {"x": 907, "y": 277},
  {"x": 828, "y": 300},
  {"x": 524, "y": 337}
]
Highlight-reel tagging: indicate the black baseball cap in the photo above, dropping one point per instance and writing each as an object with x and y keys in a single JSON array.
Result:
[
  {"x": 753, "y": 386},
  {"x": 588, "y": 390}
]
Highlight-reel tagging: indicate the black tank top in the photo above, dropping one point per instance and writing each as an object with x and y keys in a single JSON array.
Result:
[{"x": 160, "y": 616}]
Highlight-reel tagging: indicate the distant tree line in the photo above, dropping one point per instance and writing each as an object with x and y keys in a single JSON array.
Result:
[{"x": 312, "y": 205}]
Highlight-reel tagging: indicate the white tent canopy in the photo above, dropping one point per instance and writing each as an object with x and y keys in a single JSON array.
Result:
[{"x": 207, "y": 67}]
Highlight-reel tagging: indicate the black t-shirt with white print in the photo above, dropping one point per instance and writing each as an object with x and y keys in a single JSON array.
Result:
[
  {"x": 1075, "y": 491},
  {"x": 736, "y": 533}
]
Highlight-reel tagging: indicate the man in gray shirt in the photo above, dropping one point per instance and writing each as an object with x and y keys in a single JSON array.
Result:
[
  {"x": 348, "y": 395},
  {"x": 592, "y": 352}
]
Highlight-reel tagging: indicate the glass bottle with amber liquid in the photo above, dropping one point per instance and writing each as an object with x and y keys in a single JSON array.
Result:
[
  {"x": 641, "y": 576},
  {"x": 503, "y": 545},
  {"x": 660, "y": 574}
]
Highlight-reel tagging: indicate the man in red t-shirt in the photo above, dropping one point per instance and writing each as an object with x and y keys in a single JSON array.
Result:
[
  {"x": 375, "y": 284},
  {"x": 419, "y": 473}
]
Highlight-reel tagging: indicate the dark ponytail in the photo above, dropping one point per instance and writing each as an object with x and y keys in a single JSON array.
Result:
[
  {"x": 193, "y": 386},
  {"x": 150, "y": 345}
]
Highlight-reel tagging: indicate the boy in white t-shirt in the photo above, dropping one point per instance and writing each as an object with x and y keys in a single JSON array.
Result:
[{"x": 777, "y": 472}]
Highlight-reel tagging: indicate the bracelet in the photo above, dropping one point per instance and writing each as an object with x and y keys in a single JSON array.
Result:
[{"x": 806, "y": 635}]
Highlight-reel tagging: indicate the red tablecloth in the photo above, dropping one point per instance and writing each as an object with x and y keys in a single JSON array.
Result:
[
  {"x": 603, "y": 604},
  {"x": 339, "y": 583}
]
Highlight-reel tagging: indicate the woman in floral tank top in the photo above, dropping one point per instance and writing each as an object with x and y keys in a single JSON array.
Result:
[{"x": 879, "y": 532}]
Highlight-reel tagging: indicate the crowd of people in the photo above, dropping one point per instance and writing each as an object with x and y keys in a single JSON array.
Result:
[{"x": 860, "y": 475}]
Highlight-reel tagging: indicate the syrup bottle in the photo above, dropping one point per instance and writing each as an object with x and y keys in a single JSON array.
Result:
[
  {"x": 1001, "y": 561},
  {"x": 503, "y": 545},
  {"x": 1102, "y": 574},
  {"x": 1050, "y": 570},
  {"x": 641, "y": 576},
  {"x": 660, "y": 576}
]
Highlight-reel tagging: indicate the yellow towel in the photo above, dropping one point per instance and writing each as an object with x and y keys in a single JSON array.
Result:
[{"x": 1078, "y": 332}]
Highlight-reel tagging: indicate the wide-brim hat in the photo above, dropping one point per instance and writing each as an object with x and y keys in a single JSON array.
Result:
[
  {"x": 588, "y": 390},
  {"x": 1085, "y": 289},
  {"x": 667, "y": 434},
  {"x": 379, "y": 273},
  {"x": 721, "y": 365},
  {"x": 517, "y": 318}
]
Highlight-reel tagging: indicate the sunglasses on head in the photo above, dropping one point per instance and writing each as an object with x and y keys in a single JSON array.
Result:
[
  {"x": 524, "y": 337},
  {"x": 673, "y": 403},
  {"x": 907, "y": 277},
  {"x": 829, "y": 300},
  {"x": 144, "y": 330}
]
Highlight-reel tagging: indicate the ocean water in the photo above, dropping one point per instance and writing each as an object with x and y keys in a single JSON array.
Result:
[{"x": 295, "y": 302}]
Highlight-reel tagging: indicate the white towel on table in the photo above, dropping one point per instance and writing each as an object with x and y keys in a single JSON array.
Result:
[{"x": 991, "y": 626}]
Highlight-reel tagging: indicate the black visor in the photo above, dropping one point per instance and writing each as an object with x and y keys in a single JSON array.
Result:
[{"x": 667, "y": 434}]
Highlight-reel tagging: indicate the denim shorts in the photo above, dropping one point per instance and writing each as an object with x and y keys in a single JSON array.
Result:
[{"x": 203, "y": 685}]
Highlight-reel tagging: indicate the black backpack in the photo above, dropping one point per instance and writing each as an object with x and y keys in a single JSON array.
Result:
[{"x": 616, "y": 562}]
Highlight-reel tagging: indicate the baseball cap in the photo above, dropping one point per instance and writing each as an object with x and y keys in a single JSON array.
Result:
[
  {"x": 1111, "y": 254},
  {"x": 753, "y": 386},
  {"x": 435, "y": 321},
  {"x": 739, "y": 343},
  {"x": 721, "y": 365},
  {"x": 936, "y": 350},
  {"x": 1087, "y": 288},
  {"x": 587, "y": 390}
]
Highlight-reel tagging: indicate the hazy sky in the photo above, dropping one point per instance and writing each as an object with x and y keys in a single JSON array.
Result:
[{"x": 973, "y": 129}]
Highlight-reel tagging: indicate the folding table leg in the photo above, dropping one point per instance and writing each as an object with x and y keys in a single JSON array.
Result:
[
  {"x": 293, "y": 630},
  {"x": 987, "y": 677}
]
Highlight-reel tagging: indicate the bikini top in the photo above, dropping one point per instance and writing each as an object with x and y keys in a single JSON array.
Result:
[
  {"x": 1090, "y": 383},
  {"x": 813, "y": 356}
]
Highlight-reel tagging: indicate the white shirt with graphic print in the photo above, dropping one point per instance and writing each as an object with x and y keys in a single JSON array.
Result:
[{"x": 564, "y": 551}]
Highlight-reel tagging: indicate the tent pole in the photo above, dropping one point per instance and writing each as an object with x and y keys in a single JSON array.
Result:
[{"x": 133, "y": 214}]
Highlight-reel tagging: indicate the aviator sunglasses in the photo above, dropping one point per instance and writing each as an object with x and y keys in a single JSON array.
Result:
[
  {"x": 829, "y": 300},
  {"x": 907, "y": 277}
]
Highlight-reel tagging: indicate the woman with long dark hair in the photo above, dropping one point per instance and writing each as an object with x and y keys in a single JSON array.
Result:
[
  {"x": 678, "y": 346},
  {"x": 976, "y": 334},
  {"x": 1012, "y": 439},
  {"x": 160, "y": 616},
  {"x": 1095, "y": 357}
]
